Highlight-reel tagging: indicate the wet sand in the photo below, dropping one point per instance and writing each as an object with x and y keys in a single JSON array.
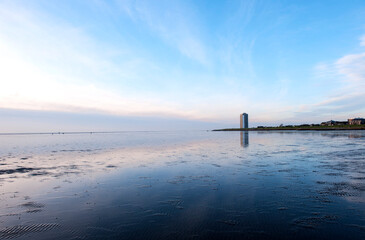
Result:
[{"x": 183, "y": 185}]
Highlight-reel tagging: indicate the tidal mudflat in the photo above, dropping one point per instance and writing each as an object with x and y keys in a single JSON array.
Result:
[{"x": 183, "y": 185}]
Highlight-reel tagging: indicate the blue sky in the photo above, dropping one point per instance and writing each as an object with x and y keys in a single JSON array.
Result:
[{"x": 199, "y": 63}]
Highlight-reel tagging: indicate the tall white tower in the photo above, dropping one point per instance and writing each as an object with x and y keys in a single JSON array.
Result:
[{"x": 244, "y": 120}]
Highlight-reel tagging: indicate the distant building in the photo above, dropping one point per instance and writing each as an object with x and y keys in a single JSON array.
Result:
[
  {"x": 244, "y": 120},
  {"x": 328, "y": 123},
  {"x": 334, "y": 123},
  {"x": 356, "y": 121}
]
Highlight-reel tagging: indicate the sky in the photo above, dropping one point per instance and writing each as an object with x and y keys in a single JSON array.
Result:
[{"x": 93, "y": 65}]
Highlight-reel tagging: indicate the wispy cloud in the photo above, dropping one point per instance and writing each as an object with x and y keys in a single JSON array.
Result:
[
  {"x": 167, "y": 58},
  {"x": 57, "y": 66},
  {"x": 25, "y": 86},
  {"x": 173, "y": 21},
  {"x": 352, "y": 68},
  {"x": 346, "y": 77},
  {"x": 48, "y": 65},
  {"x": 362, "y": 40},
  {"x": 238, "y": 42}
]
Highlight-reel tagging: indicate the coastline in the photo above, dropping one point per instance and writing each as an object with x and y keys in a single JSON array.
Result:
[{"x": 293, "y": 129}]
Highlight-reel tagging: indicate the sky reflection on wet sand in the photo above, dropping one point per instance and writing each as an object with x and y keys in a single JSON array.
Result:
[{"x": 183, "y": 185}]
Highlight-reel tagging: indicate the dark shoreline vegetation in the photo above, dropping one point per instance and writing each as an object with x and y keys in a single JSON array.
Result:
[{"x": 299, "y": 128}]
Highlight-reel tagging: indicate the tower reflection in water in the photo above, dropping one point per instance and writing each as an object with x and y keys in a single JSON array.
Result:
[{"x": 244, "y": 138}]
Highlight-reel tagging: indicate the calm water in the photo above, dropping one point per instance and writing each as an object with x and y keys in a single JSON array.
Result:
[{"x": 183, "y": 185}]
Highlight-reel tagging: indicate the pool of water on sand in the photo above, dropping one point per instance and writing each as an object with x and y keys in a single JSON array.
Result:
[{"x": 183, "y": 185}]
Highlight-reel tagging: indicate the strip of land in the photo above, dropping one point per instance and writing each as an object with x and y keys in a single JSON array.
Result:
[{"x": 299, "y": 128}]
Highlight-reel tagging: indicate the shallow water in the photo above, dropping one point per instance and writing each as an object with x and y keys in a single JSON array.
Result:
[{"x": 183, "y": 185}]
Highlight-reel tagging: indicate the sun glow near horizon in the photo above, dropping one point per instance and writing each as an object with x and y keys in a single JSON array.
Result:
[{"x": 188, "y": 60}]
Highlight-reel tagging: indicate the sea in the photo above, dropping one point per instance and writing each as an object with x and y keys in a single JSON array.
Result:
[{"x": 183, "y": 185}]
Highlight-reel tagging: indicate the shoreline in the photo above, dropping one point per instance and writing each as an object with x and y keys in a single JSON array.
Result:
[{"x": 290, "y": 129}]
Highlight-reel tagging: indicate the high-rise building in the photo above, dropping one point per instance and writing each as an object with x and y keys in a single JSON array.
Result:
[{"x": 244, "y": 120}]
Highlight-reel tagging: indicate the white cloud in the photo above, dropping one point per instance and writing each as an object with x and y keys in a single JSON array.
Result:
[
  {"x": 174, "y": 22},
  {"x": 48, "y": 65},
  {"x": 25, "y": 86},
  {"x": 346, "y": 77},
  {"x": 362, "y": 40},
  {"x": 352, "y": 67}
]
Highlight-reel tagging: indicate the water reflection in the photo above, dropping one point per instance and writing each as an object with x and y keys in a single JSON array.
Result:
[
  {"x": 244, "y": 138},
  {"x": 201, "y": 185},
  {"x": 343, "y": 134}
]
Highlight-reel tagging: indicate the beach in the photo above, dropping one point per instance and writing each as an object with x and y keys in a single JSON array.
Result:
[{"x": 182, "y": 185}]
